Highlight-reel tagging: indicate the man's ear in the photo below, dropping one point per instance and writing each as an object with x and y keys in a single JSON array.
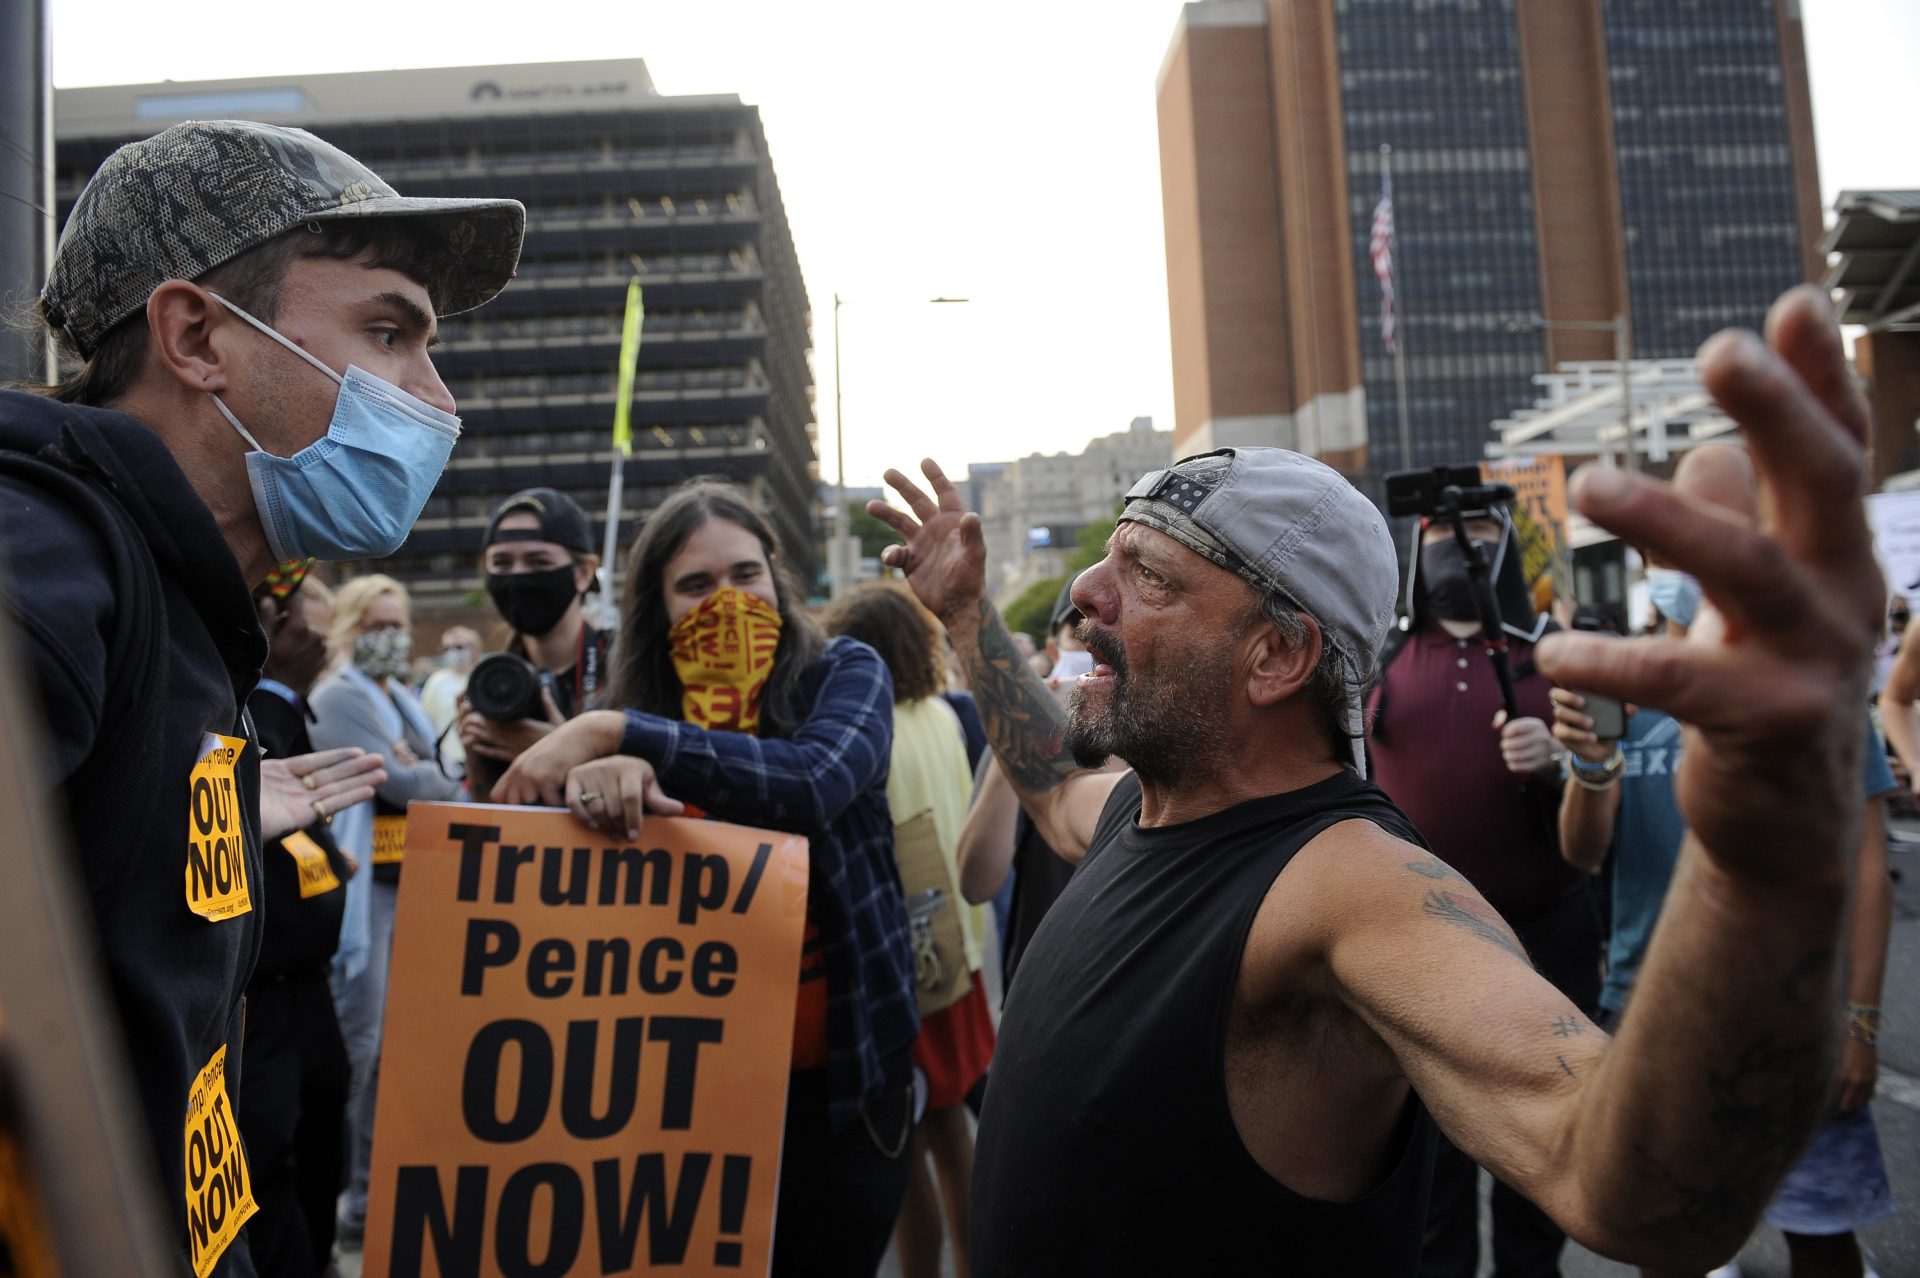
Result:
[
  {"x": 181, "y": 322},
  {"x": 1276, "y": 669}
]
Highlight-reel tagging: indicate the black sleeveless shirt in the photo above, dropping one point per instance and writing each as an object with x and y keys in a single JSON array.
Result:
[{"x": 1107, "y": 1145}]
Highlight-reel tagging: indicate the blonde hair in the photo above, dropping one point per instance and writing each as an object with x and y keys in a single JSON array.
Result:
[{"x": 350, "y": 604}]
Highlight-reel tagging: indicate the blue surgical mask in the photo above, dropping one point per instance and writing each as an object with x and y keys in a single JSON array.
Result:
[
  {"x": 355, "y": 492},
  {"x": 1675, "y": 594}
]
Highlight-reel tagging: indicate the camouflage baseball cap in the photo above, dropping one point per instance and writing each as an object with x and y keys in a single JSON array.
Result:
[{"x": 180, "y": 203}]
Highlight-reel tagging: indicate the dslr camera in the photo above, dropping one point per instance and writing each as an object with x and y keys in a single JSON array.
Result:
[{"x": 506, "y": 688}]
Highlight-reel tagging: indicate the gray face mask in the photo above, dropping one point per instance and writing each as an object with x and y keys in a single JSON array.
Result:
[{"x": 383, "y": 654}]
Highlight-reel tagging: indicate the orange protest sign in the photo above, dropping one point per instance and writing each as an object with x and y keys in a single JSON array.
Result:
[{"x": 585, "y": 1061}]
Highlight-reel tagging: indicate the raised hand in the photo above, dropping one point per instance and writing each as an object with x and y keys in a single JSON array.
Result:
[
  {"x": 1772, "y": 681},
  {"x": 304, "y": 788},
  {"x": 945, "y": 556}
]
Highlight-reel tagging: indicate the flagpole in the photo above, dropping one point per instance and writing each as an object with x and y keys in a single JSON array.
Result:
[
  {"x": 1399, "y": 345},
  {"x": 622, "y": 441}
]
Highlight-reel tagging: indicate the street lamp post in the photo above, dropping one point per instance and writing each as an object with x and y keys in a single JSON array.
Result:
[
  {"x": 839, "y": 567},
  {"x": 1621, "y": 328}
]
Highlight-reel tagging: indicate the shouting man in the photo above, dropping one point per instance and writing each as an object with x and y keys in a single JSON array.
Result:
[{"x": 1236, "y": 1031}]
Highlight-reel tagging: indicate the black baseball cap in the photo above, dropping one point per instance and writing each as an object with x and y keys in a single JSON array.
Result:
[
  {"x": 562, "y": 521},
  {"x": 1063, "y": 607}
]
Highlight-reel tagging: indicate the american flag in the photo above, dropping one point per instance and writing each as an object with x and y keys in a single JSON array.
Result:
[{"x": 1380, "y": 249}]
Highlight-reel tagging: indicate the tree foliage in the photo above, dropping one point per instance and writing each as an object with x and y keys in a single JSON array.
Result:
[{"x": 1033, "y": 608}]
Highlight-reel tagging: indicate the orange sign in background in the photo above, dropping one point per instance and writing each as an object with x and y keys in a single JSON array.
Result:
[{"x": 584, "y": 1068}]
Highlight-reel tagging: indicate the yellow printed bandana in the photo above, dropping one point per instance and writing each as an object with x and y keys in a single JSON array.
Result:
[{"x": 723, "y": 651}]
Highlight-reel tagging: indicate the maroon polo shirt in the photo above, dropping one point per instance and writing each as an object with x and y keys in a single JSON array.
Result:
[{"x": 1437, "y": 756}]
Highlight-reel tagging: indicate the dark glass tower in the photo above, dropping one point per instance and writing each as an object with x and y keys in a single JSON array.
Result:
[
  {"x": 1705, "y": 163},
  {"x": 1442, "y": 85}
]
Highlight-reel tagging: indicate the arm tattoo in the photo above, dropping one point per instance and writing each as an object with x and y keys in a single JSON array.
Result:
[
  {"x": 1475, "y": 918},
  {"x": 1568, "y": 1027},
  {"x": 1025, "y": 723},
  {"x": 1433, "y": 868}
]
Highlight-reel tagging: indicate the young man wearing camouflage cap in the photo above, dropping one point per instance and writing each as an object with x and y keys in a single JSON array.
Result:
[
  {"x": 253, "y": 308},
  {"x": 1233, "y": 1036}
]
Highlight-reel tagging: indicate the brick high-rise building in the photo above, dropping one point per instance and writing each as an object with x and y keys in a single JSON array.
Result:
[
  {"x": 1568, "y": 159},
  {"x": 618, "y": 181}
]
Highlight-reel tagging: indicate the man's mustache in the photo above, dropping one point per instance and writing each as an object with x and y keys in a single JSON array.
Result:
[{"x": 1102, "y": 644}]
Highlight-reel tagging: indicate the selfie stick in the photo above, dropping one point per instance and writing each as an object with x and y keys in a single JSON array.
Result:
[{"x": 1484, "y": 601}]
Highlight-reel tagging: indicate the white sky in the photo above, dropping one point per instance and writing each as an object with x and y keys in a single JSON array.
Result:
[{"x": 1002, "y": 151}]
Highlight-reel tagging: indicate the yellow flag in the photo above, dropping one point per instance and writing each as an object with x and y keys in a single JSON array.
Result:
[{"x": 629, "y": 356}]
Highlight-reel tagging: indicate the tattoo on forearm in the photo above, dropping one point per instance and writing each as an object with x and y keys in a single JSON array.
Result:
[
  {"x": 1473, "y": 917},
  {"x": 1025, "y": 723},
  {"x": 1566, "y": 1068},
  {"x": 1568, "y": 1027}
]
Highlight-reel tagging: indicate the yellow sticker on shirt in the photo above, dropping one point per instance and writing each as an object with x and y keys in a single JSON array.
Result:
[
  {"x": 216, "y": 846},
  {"x": 219, "y": 1190},
  {"x": 389, "y": 840},
  {"x": 316, "y": 872}
]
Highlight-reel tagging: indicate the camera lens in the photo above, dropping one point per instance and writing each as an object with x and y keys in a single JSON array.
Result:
[{"x": 504, "y": 688}]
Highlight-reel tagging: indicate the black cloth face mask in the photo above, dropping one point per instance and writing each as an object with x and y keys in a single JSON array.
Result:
[
  {"x": 1445, "y": 582},
  {"x": 533, "y": 602}
]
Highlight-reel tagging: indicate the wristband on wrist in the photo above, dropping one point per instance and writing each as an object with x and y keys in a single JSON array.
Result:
[
  {"x": 1864, "y": 1023},
  {"x": 1609, "y": 766}
]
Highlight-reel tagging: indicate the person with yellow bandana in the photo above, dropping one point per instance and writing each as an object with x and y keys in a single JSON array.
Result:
[{"x": 736, "y": 704}]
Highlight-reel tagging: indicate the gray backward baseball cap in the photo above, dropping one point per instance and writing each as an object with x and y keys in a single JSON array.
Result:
[
  {"x": 1289, "y": 525},
  {"x": 178, "y": 204}
]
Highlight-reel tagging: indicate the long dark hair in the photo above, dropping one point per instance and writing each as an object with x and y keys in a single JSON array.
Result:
[
  {"x": 906, "y": 636},
  {"x": 643, "y": 674}
]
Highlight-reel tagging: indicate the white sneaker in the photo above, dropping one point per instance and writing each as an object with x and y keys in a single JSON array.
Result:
[{"x": 1732, "y": 1270}]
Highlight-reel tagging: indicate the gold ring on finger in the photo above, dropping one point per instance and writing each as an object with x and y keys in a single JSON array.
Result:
[
  {"x": 308, "y": 782},
  {"x": 589, "y": 796},
  {"x": 320, "y": 809}
]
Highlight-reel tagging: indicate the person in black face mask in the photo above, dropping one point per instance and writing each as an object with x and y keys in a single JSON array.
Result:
[
  {"x": 540, "y": 567},
  {"x": 1484, "y": 792}
]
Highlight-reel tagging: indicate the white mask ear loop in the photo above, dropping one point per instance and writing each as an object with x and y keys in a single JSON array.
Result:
[
  {"x": 235, "y": 423},
  {"x": 297, "y": 349},
  {"x": 270, "y": 332}
]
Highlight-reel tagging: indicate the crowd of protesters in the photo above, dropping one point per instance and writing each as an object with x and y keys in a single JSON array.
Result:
[{"x": 1313, "y": 915}]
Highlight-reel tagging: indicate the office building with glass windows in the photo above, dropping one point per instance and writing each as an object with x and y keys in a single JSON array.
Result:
[
  {"x": 619, "y": 181},
  {"x": 1579, "y": 162}
]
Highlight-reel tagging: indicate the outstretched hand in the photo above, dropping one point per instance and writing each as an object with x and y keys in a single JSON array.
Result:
[
  {"x": 945, "y": 555},
  {"x": 1772, "y": 681},
  {"x": 304, "y": 788}
]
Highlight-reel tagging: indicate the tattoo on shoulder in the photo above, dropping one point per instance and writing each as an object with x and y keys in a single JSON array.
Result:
[
  {"x": 1025, "y": 723},
  {"x": 1475, "y": 917},
  {"x": 1433, "y": 868}
]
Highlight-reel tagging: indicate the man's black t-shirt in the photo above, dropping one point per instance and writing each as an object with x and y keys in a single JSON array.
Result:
[
  {"x": 1107, "y": 1145},
  {"x": 177, "y": 905}
]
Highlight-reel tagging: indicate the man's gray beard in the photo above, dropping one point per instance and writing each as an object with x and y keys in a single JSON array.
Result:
[{"x": 1167, "y": 733}]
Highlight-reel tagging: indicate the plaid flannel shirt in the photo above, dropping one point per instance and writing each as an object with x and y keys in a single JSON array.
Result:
[{"x": 829, "y": 782}]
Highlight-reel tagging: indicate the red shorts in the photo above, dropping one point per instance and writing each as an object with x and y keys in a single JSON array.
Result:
[{"x": 955, "y": 1047}]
